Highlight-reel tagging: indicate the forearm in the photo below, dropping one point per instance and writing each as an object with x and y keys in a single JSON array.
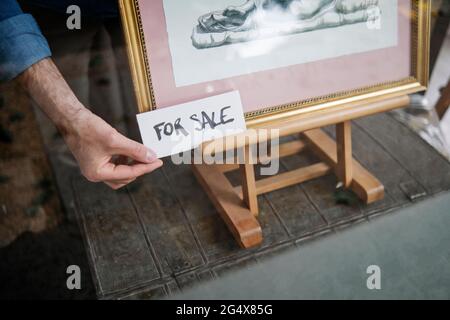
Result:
[{"x": 50, "y": 91}]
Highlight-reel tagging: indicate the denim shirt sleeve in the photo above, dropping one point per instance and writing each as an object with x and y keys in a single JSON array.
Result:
[{"x": 21, "y": 41}]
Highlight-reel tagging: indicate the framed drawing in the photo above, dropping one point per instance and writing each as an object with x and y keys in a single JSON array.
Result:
[{"x": 285, "y": 57}]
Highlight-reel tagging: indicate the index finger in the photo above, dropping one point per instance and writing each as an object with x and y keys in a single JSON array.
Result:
[{"x": 125, "y": 172}]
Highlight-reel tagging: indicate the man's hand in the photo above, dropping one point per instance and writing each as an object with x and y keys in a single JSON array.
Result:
[{"x": 102, "y": 153}]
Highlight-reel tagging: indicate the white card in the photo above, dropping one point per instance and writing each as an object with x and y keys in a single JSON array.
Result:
[{"x": 184, "y": 127}]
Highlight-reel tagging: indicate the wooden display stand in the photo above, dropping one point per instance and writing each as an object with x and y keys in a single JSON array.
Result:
[{"x": 239, "y": 206}]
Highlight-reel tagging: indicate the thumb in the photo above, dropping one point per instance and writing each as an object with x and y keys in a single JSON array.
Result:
[{"x": 134, "y": 150}]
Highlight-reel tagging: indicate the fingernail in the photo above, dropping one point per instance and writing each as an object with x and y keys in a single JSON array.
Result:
[{"x": 151, "y": 156}]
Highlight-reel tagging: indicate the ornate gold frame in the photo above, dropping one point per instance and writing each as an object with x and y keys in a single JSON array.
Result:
[{"x": 421, "y": 9}]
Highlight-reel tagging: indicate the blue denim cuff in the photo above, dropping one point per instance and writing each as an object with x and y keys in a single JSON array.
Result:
[{"x": 21, "y": 45}]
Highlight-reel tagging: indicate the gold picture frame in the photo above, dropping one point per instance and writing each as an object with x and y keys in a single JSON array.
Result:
[{"x": 418, "y": 81}]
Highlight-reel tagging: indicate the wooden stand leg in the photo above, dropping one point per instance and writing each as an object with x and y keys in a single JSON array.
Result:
[
  {"x": 239, "y": 220},
  {"x": 344, "y": 168},
  {"x": 249, "y": 194},
  {"x": 368, "y": 188}
]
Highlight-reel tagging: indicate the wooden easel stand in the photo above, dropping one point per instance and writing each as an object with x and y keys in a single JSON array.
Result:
[{"x": 239, "y": 206}]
